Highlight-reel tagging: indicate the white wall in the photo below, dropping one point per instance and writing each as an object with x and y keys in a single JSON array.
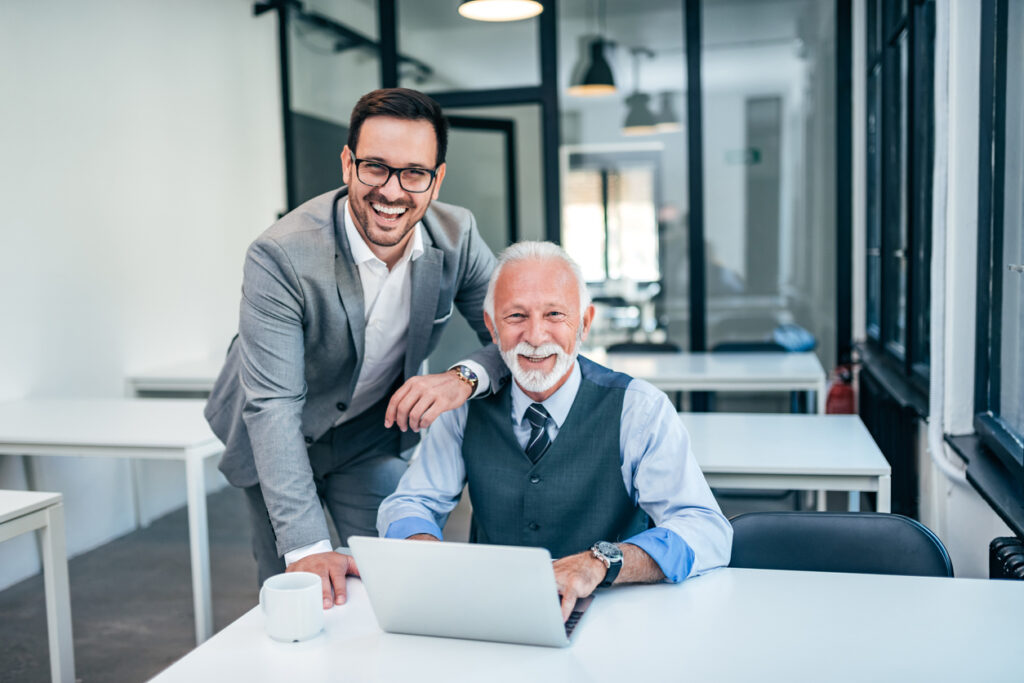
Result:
[{"x": 141, "y": 154}]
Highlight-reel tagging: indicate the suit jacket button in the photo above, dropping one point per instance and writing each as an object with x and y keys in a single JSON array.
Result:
[
  {"x": 534, "y": 526},
  {"x": 534, "y": 479},
  {"x": 309, "y": 439},
  {"x": 341, "y": 406}
]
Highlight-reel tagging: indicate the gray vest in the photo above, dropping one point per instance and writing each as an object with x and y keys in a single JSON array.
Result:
[{"x": 574, "y": 495}]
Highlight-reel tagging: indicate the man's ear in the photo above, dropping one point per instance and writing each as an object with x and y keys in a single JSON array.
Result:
[
  {"x": 586, "y": 321},
  {"x": 347, "y": 165},
  {"x": 438, "y": 178},
  {"x": 490, "y": 327}
]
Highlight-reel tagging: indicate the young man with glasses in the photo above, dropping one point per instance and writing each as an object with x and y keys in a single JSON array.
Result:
[{"x": 342, "y": 300}]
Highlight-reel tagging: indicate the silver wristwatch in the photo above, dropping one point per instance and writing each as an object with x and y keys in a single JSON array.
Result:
[{"x": 611, "y": 556}]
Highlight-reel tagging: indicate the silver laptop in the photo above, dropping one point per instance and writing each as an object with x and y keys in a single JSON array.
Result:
[{"x": 464, "y": 590}]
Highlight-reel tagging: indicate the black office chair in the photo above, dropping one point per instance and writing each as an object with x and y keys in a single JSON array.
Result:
[
  {"x": 643, "y": 347},
  {"x": 857, "y": 542}
]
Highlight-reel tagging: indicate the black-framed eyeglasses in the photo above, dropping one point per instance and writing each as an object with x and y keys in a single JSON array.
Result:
[{"x": 376, "y": 174}]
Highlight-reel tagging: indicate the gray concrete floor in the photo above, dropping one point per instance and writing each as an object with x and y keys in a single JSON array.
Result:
[{"x": 131, "y": 599}]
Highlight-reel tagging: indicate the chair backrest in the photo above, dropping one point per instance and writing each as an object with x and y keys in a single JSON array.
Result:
[
  {"x": 745, "y": 346},
  {"x": 858, "y": 542},
  {"x": 643, "y": 347}
]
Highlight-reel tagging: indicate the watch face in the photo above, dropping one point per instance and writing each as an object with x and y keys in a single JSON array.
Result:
[{"x": 609, "y": 550}]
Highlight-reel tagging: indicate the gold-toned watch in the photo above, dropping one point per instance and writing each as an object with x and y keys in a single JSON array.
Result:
[{"x": 464, "y": 373}]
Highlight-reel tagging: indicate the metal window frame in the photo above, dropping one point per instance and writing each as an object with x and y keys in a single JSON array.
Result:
[{"x": 994, "y": 433}]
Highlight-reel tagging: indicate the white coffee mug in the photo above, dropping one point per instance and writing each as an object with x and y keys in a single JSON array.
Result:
[{"x": 293, "y": 606}]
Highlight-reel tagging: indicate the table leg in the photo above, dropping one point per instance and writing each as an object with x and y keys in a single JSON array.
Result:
[
  {"x": 854, "y": 502},
  {"x": 884, "y": 502},
  {"x": 199, "y": 546},
  {"x": 58, "y": 596},
  {"x": 822, "y": 505}
]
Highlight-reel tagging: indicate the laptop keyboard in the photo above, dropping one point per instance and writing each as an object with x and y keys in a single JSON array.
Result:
[{"x": 574, "y": 619}]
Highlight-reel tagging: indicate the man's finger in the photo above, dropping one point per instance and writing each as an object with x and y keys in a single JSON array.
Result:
[
  {"x": 391, "y": 414},
  {"x": 325, "y": 582},
  {"x": 337, "y": 571},
  {"x": 352, "y": 569},
  {"x": 568, "y": 602},
  {"x": 418, "y": 411}
]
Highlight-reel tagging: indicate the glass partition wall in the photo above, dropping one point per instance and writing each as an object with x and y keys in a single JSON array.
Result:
[{"x": 701, "y": 216}]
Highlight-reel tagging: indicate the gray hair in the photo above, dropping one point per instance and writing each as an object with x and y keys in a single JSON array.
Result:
[{"x": 535, "y": 251}]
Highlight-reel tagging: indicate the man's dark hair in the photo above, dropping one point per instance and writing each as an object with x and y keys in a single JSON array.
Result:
[{"x": 400, "y": 103}]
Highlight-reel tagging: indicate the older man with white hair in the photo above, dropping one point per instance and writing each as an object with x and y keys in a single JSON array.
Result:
[{"x": 591, "y": 464}]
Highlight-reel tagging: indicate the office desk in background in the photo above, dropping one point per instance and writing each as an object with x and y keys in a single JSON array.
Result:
[
  {"x": 187, "y": 379},
  {"x": 25, "y": 511},
  {"x": 127, "y": 428},
  {"x": 708, "y": 371},
  {"x": 728, "y": 625},
  {"x": 805, "y": 452}
]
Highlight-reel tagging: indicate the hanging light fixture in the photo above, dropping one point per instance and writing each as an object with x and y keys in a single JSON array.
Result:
[
  {"x": 595, "y": 78},
  {"x": 639, "y": 119},
  {"x": 667, "y": 119},
  {"x": 500, "y": 10}
]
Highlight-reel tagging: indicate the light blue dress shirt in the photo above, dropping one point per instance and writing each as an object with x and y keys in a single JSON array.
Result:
[{"x": 659, "y": 472}]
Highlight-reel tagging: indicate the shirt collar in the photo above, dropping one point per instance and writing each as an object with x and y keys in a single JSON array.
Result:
[
  {"x": 557, "y": 404},
  {"x": 361, "y": 252}
]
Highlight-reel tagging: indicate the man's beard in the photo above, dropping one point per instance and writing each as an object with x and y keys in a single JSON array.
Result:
[{"x": 538, "y": 381}]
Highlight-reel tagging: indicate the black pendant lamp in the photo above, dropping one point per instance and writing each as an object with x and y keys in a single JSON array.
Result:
[
  {"x": 667, "y": 119},
  {"x": 596, "y": 77},
  {"x": 639, "y": 119},
  {"x": 500, "y": 10}
]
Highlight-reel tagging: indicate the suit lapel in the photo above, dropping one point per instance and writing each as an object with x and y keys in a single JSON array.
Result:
[
  {"x": 425, "y": 275},
  {"x": 350, "y": 287}
]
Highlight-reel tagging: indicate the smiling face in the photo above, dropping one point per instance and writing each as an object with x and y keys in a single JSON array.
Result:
[
  {"x": 537, "y": 323},
  {"x": 386, "y": 215}
]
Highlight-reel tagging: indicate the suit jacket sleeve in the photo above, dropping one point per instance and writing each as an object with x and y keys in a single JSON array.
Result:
[
  {"x": 479, "y": 263},
  {"x": 273, "y": 379}
]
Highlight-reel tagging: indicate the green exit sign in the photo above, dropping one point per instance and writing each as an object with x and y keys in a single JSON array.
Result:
[{"x": 743, "y": 157}]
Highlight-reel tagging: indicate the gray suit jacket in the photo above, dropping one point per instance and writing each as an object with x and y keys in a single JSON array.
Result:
[{"x": 294, "y": 364}]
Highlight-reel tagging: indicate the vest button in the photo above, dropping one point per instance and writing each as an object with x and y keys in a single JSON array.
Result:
[
  {"x": 341, "y": 406},
  {"x": 534, "y": 479},
  {"x": 534, "y": 526},
  {"x": 309, "y": 439}
]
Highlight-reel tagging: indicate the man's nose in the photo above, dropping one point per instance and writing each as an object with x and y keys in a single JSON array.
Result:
[
  {"x": 536, "y": 332},
  {"x": 392, "y": 189}
]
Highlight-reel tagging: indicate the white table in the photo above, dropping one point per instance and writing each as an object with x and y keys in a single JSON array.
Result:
[
  {"x": 729, "y": 625},
  {"x": 127, "y": 428},
  {"x": 707, "y": 371},
  {"x": 188, "y": 377},
  {"x": 805, "y": 452},
  {"x": 24, "y": 511}
]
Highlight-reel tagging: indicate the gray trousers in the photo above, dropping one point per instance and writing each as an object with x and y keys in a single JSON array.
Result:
[{"x": 356, "y": 465}]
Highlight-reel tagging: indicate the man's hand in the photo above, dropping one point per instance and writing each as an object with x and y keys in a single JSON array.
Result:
[
  {"x": 577, "y": 576},
  {"x": 332, "y": 568},
  {"x": 419, "y": 401}
]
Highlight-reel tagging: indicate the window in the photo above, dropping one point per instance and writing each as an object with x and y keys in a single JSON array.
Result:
[
  {"x": 999, "y": 393},
  {"x": 900, "y": 144}
]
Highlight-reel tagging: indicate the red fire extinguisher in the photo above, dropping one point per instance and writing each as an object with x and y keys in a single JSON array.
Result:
[{"x": 841, "y": 398}]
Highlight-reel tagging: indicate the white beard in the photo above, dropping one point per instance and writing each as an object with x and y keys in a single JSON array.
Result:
[{"x": 538, "y": 381}]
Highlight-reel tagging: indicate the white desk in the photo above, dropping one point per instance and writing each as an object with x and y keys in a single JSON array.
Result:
[
  {"x": 706, "y": 371},
  {"x": 729, "y": 625},
  {"x": 189, "y": 377},
  {"x": 805, "y": 452},
  {"x": 127, "y": 428},
  {"x": 24, "y": 511}
]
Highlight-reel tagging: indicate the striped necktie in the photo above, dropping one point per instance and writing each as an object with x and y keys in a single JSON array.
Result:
[{"x": 539, "y": 440}]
